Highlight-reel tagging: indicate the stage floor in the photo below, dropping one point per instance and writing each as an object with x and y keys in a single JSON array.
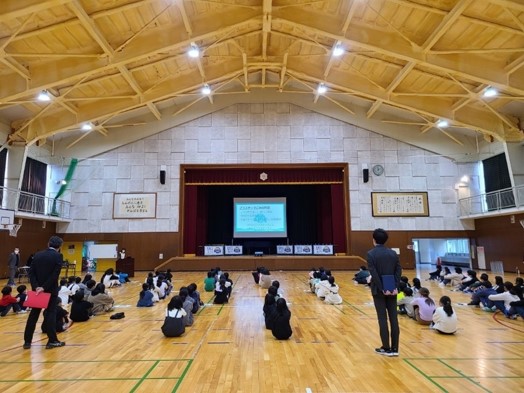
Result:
[{"x": 272, "y": 262}]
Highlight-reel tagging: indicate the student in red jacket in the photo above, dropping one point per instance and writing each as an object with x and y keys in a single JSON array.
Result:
[{"x": 8, "y": 302}]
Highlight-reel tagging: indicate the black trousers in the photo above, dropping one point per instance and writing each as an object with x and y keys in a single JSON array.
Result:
[
  {"x": 386, "y": 306},
  {"x": 49, "y": 321}
]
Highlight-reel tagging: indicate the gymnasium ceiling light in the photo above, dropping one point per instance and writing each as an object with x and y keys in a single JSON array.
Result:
[
  {"x": 206, "y": 90},
  {"x": 86, "y": 127},
  {"x": 43, "y": 96},
  {"x": 443, "y": 123},
  {"x": 490, "y": 92},
  {"x": 338, "y": 50},
  {"x": 193, "y": 51},
  {"x": 322, "y": 88}
]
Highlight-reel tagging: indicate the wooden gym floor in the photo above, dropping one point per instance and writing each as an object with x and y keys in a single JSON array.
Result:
[{"x": 229, "y": 350}]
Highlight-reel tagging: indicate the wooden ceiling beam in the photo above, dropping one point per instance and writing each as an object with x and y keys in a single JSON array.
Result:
[
  {"x": 63, "y": 72},
  {"x": 62, "y": 121},
  {"x": 266, "y": 25},
  {"x": 479, "y": 69},
  {"x": 128, "y": 76},
  {"x": 513, "y": 4},
  {"x": 91, "y": 28},
  {"x": 482, "y": 120},
  {"x": 12, "y": 9},
  {"x": 351, "y": 12},
  {"x": 16, "y": 67},
  {"x": 445, "y": 24}
]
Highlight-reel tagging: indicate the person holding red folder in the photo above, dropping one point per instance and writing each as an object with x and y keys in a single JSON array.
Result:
[{"x": 43, "y": 275}]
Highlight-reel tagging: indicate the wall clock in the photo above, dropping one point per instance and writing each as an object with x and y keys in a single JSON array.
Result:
[{"x": 378, "y": 170}]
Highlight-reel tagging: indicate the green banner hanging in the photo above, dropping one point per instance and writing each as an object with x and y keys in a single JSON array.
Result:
[{"x": 63, "y": 187}]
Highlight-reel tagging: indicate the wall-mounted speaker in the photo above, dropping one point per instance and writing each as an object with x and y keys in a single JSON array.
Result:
[
  {"x": 162, "y": 174},
  {"x": 365, "y": 175}
]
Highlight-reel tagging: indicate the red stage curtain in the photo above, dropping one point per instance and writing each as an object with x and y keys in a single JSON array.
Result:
[
  {"x": 337, "y": 214},
  {"x": 201, "y": 218},
  {"x": 195, "y": 176},
  {"x": 190, "y": 219},
  {"x": 324, "y": 216}
]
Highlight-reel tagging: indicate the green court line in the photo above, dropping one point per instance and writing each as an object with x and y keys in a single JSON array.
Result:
[
  {"x": 355, "y": 307},
  {"x": 425, "y": 376},
  {"x": 181, "y": 378},
  {"x": 144, "y": 377},
  {"x": 465, "y": 376},
  {"x": 220, "y": 310}
]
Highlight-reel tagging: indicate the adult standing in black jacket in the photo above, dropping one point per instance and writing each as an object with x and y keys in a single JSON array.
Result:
[
  {"x": 12, "y": 264},
  {"x": 44, "y": 274},
  {"x": 383, "y": 261}
]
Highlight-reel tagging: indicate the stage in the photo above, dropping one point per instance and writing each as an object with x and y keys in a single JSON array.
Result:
[{"x": 272, "y": 262}]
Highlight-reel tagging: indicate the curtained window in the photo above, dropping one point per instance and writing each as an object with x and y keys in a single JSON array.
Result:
[
  {"x": 33, "y": 182},
  {"x": 496, "y": 177}
]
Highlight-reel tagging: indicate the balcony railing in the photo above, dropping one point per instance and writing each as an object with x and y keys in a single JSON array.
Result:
[
  {"x": 493, "y": 202},
  {"x": 26, "y": 202}
]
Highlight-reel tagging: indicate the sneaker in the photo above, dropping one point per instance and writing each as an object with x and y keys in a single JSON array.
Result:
[
  {"x": 21, "y": 312},
  {"x": 488, "y": 309},
  {"x": 27, "y": 346},
  {"x": 393, "y": 352},
  {"x": 54, "y": 344},
  {"x": 382, "y": 351}
]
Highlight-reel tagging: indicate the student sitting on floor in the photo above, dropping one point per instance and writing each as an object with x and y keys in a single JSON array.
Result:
[
  {"x": 404, "y": 304},
  {"x": 62, "y": 321},
  {"x": 195, "y": 295},
  {"x": 221, "y": 293},
  {"x": 502, "y": 301},
  {"x": 281, "y": 328},
  {"x": 416, "y": 286},
  {"x": 276, "y": 284},
  {"x": 110, "y": 279},
  {"x": 270, "y": 307},
  {"x": 187, "y": 303},
  {"x": 90, "y": 285},
  {"x": 362, "y": 276},
  {"x": 80, "y": 308},
  {"x": 333, "y": 297},
  {"x": 209, "y": 282},
  {"x": 265, "y": 278},
  {"x": 9, "y": 302},
  {"x": 102, "y": 302},
  {"x": 174, "y": 324},
  {"x": 322, "y": 287},
  {"x": 21, "y": 296},
  {"x": 161, "y": 287},
  {"x": 423, "y": 307},
  {"x": 145, "y": 297},
  {"x": 444, "y": 318},
  {"x": 64, "y": 292},
  {"x": 453, "y": 279},
  {"x": 435, "y": 275}
]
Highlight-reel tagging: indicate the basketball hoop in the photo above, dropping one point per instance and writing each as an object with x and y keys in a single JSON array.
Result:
[{"x": 13, "y": 230}]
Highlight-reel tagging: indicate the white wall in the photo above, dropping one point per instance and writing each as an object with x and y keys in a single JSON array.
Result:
[{"x": 264, "y": 133}]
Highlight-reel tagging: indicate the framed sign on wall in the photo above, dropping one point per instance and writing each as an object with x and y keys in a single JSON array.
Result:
[
  {"x": 400, "y": 204},
  {"x": 134, "y": 205}
]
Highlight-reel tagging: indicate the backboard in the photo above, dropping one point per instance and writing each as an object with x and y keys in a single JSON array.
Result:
[{"x": 7, "y": 218}]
